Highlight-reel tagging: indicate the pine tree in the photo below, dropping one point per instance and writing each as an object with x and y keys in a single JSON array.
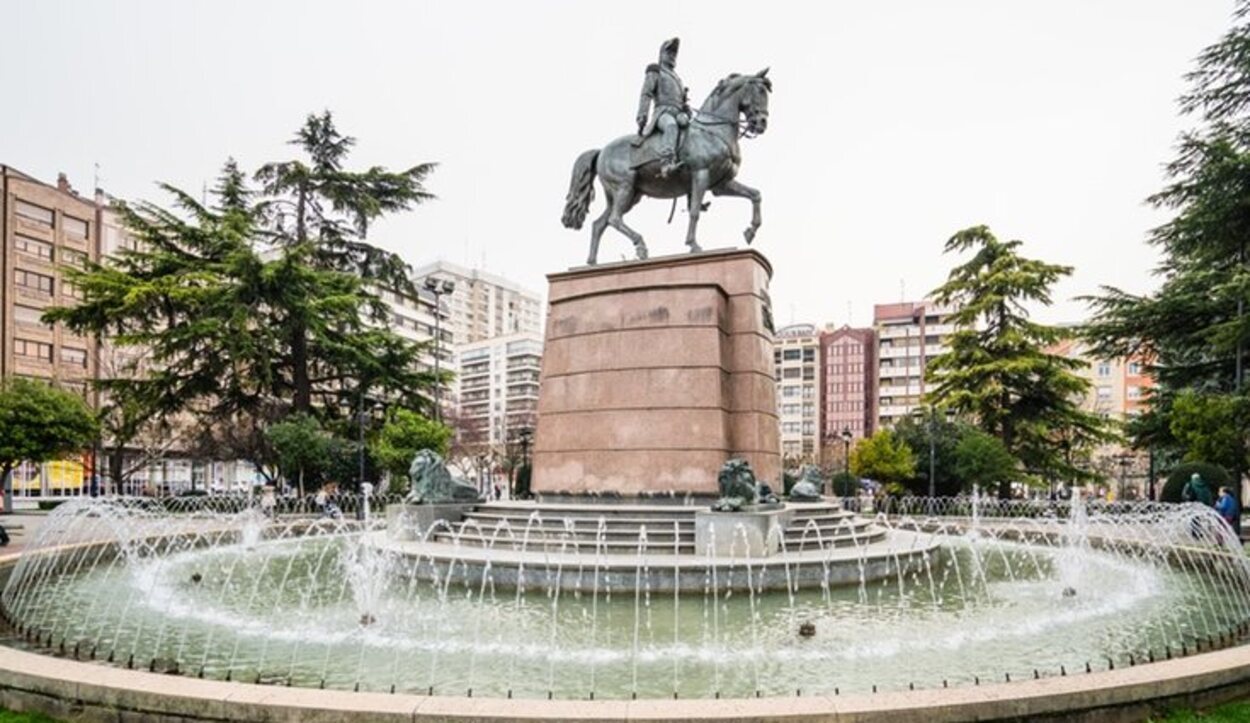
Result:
[
  {"x": 1196, "y": 327},
  {"x": 999, "y": 371},
  {"x": 241, "y": 325}
]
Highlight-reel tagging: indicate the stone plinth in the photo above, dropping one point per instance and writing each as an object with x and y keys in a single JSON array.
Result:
[
  {"x": 656, "y": 372},
  {"x": 413, "y": 522},
  {"x": 747, "y": 533}
]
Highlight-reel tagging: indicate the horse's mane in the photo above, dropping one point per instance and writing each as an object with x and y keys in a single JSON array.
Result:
[{"x": 733, "y": 82}]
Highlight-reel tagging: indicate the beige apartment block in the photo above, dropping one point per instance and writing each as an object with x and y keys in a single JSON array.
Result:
[
  {"x": 797, "y": 364},
  {"x": 498, "y": 385},
  {"x": 45, "y": 229},
  {"x": 909, "y": 335},
  {"x": 483, "y": 305}
]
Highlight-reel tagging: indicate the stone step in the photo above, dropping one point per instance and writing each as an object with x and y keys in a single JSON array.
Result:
[{"x": 685, "y": 546}]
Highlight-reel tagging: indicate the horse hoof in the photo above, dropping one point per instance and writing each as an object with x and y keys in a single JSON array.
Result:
[
  {"x": 695, "y": 248},
  {"x": 750, "y": 235},
  {"x": 642, "y": 253}
]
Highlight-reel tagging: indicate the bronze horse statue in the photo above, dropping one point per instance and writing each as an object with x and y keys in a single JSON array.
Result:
[{"x": 709, "y": 158}]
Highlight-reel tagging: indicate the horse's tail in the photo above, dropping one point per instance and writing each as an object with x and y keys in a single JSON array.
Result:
[{"x": 581, "y": 190}]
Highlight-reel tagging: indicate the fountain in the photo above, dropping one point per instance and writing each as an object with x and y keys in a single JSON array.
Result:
[
  {"x": 523, "y": 603},
  {"x": 627, "y": 582}
]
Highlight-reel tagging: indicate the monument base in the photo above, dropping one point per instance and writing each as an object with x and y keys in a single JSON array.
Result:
[
  {"x": 746, "y": 533},
  {"x": 654, "y": 374}
]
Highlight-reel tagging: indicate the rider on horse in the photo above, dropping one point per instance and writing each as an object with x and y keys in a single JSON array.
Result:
[{"x": 664, "y": 88}]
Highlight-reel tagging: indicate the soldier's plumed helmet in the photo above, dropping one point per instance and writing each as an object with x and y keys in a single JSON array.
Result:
[{"x": 670, "y": 47}]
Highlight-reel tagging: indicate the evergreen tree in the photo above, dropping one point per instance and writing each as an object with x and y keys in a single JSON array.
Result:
[
  {"x": 320, "y": 212},
  {"x": 242, "y": 320},
  {"x": 999, "y": 371},
  {"x": 1195, "y": 328}
]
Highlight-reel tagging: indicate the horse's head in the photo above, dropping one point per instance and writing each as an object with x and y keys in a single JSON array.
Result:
[{"x": 744, "y": 96}]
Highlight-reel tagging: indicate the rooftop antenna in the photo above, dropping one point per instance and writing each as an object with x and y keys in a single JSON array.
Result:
[
  {"x": 902, "y": 290},
  {"x": 848, "y": 313},
  {"x": 95, "y": 177}
]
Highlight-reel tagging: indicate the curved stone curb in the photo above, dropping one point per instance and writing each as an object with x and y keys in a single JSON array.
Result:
[{"x": 66, "y": 687}]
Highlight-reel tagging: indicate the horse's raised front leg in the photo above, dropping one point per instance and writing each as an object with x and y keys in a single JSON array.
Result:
[
  {"x": 732, "y": 187},
  {"x": 698, "y": 186}
]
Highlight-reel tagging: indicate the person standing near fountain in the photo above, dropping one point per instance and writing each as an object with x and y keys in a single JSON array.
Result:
[
  {"x": 1228, "y": 508},
  {"x": 1197, "y": 490}
]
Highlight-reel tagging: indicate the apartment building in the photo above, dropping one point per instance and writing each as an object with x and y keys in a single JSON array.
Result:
[
  {"x": 482, "y": 305},
  {"x": 796, "y": 357},
  {"x": 45, "y": 229},
  {"x": 849, "y": 392},
  {"x": 498, "y": 386},
  {"x": 1118, "y": 388},
  {"x": 909, "y": 335}
]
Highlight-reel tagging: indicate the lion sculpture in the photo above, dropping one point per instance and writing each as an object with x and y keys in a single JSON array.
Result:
[
  {"x": 810, "y": 485},
  {"x": 738, "y": 487},
  {"x": 433, "y": 484}
]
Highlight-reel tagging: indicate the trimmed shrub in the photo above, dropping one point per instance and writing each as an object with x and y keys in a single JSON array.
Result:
[
  {"x": 844, "y": 484},
  {"x": 1214, "y": 476}
]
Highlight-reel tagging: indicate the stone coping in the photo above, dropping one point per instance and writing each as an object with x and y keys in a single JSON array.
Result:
[
  {"x": 903, "y": 544},
  {"x": 60, "y": 686},
  {"x": 678, "y": 259}
]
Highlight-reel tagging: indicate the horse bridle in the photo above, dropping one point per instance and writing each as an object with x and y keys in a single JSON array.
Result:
[{"x": 742, "y": 125}]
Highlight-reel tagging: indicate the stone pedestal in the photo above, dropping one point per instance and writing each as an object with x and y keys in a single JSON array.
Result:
[
  {"x": 654, "y": 373},
  {"x": 412, "y": 522},
  {"x": 749, "y": 533}
]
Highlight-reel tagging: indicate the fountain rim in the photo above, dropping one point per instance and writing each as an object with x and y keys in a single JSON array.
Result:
[{"x": 50, "y": 683}]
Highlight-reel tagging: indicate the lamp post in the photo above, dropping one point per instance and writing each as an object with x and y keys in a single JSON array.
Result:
[
  {"x": 1124, "y": 460},
  {"x": 362, "y": 417},
  {"x": 846, "y": 450},
  {"x": 438, "y": 287},
  {"x": 930, "y": 412}
]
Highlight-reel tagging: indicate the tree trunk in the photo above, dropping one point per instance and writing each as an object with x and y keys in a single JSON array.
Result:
[
  {"x": 6, "y": 475},
  {"x": 299, "y": 372}
]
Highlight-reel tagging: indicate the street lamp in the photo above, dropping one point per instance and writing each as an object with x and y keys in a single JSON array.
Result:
[
  {"x": 363, "y": 417},
  {"x": 525, "y": 435},
  {"x": 931, "y": 413},
  {"x": 438, "y": 287},
  {"x": 1125, "y": 461},
  {"x": 847, "y": 436}
]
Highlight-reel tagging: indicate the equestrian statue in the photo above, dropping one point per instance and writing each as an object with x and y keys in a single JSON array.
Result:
[{"x": 675, "y": 153}]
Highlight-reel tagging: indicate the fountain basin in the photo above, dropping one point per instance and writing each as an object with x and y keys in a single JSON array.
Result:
[{"x": 238, "y": 598}]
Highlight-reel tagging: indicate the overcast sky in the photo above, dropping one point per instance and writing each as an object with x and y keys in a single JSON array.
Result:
[{"x": 893, "y": 124}]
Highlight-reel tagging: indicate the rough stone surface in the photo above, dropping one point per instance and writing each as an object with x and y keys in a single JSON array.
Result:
[
  {"x": 411, "y": 522},
  {"x": 746, "y": 533},
  {"x": 654, "y": 373}
]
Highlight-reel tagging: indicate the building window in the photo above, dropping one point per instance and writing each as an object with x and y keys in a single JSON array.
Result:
[
  {"x": 1134, "y": 368},
  {"x": 31, "y": 281},
  {"x": 74, "y": 227},
  {"x": 1104, "y": 393},
  {"x": 1134, "y": 392},
  {"x": 74, "y": 258},
  {"x": 35, "y": 214},
  {"x": 1104, "y": 369},
  {"x": 32, "y": 349},
  {"x": 28, "y": 315},
  {"x": 33, "y": 246},
  {"x": 72, "y": 291},
  {"x": 74, "y": 357}
]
